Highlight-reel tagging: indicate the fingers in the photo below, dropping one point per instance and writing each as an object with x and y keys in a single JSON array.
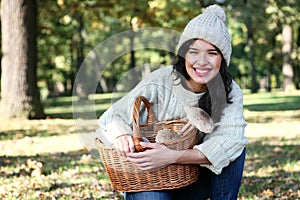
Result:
[
  {"x": 140, "y": 161},
  {"x": 145, "y": 162},
  {"x": 121, "y": 148},
  {"x": 131, "y": 145},
  {"x": 155, "y": 157},
  {"x": 124, "y": 145},
  {"x": 149, "y": 145}
]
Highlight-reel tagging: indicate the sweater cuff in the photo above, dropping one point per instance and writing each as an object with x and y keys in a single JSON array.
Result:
[
  {"x": 113, "y": 130},
  {"x": 215, "y": 154}
]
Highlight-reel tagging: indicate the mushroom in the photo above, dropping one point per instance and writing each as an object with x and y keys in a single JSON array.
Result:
[
  {"x": 198, "y": 118},
  {"x": 138, "y": 147},
  {"x": 165, "y": 135}
]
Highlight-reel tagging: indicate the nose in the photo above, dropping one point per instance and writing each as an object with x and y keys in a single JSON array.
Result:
[{"x": 202, "y": 59}]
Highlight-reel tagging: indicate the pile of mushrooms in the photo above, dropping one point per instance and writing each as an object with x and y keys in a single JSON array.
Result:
[{"x": 197, "y": 117}]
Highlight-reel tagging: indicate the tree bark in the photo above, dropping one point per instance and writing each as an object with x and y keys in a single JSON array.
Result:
[
  {"x": 254, "y": 84},
  {"x": 297, "y": 64},
  {"x": 20, "y": 97},
  {"x": 287, "y": 68},
  {"x": 271, "y": 64},
  {"x": 133, "y": 73},
  {"x": 81, "y": 86}
]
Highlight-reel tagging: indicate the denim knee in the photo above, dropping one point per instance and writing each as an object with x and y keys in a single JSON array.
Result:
[{"x": 226, "y": 185}]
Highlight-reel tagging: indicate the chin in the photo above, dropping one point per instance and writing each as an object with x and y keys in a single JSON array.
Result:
[{"x": 201, "y": 81}]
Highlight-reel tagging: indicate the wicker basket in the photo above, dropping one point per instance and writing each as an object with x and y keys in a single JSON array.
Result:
[{"x": 127, "y": 177}]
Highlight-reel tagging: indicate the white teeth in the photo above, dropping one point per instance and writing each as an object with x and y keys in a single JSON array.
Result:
[{"x": 201, "y": 71}]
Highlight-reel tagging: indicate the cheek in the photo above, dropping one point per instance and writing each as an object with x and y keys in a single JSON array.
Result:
[
  {"x": 216, "y": 63},
  {"x": 190, "y": 60},
  {"x": 187, "y": 63},
  {"x": 188, "y": 66},
  {"x": 216, "y": 70},
  {"x": 215, "y": 60}
]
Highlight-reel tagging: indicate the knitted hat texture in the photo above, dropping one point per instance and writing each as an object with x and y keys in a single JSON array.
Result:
[{"x": 210, "y": 26}]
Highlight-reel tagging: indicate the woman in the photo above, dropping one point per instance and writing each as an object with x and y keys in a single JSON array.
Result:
[{"x": 198, "y": 78}]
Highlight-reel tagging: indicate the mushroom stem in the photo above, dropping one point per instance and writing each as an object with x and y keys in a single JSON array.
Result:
[{"x": 185, "y": 128}]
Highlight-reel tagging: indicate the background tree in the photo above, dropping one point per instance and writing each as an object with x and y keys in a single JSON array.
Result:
[
  {"x": 19, "y": 91},
  {"x": 287, "y": 68},
  {"x": 69, "y": 29}
]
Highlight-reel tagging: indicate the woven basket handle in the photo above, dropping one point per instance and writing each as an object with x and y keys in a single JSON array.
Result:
[{"x": 136, "y": 115}]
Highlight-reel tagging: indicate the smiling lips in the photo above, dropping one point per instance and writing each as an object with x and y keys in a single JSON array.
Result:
[{"x": 201, "y": 72}]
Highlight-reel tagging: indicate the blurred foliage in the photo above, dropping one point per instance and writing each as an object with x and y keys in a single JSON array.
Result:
[{"x": 69, "y": 29}]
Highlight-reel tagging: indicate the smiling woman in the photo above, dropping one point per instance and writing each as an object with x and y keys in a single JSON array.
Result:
[
  {"x": 198, "y": 78},
  {"x": 203, "y": 63}
]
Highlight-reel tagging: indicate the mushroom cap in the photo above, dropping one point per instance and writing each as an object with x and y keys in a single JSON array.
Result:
[
  {"x": 165, "y": 135},
  {"x": 199, "y": 118}
]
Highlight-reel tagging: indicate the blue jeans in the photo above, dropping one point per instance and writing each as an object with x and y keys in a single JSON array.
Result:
[{"x": 209, "y": 185}]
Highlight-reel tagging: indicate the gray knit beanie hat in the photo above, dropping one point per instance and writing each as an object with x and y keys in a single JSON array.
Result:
[{"x": 210, "y": 26}]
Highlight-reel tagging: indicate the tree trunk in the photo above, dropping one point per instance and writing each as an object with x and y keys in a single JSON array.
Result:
[
  {"x": 297, "y": 64},
  {"x": 250, "y": 42},
  {"x": 287, "y": 69},
  {"x": 254, "y": 84},
  {"x": 81, "y": 86},
  {"x": 271, "y": 64},
  {"x": 134, "y": 77},
  {"x": 19, "y": 92}
]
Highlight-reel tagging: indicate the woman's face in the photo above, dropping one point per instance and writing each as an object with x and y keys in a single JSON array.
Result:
[{"x": 202, "y": 62}]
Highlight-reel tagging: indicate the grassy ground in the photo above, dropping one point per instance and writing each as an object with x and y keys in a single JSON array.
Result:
[{"x": 44, "y": 159}]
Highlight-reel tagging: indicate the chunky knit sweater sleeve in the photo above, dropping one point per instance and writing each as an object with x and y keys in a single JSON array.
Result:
[
  {"x": 227, "y": 141},
  {"x": 157, "y": 87}
]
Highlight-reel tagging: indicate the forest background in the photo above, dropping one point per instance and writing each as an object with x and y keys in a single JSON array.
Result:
[{"x": 44, "y": 43}]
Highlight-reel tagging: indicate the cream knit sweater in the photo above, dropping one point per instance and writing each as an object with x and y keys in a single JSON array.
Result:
[{"x": 168, "y": 99}]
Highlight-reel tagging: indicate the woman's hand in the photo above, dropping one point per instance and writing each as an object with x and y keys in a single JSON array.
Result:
[
  {"x": 124, "y": 145},
  {"x": 156, "y": 156}
]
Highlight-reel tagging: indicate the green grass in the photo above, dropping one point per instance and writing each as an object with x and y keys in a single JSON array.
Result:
[
  {"x": 44, "y": 159},
  {"x": 272, "y": 167},
  {"x": 279, "y": 101},
  {"x": 63, "y": 107}
]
